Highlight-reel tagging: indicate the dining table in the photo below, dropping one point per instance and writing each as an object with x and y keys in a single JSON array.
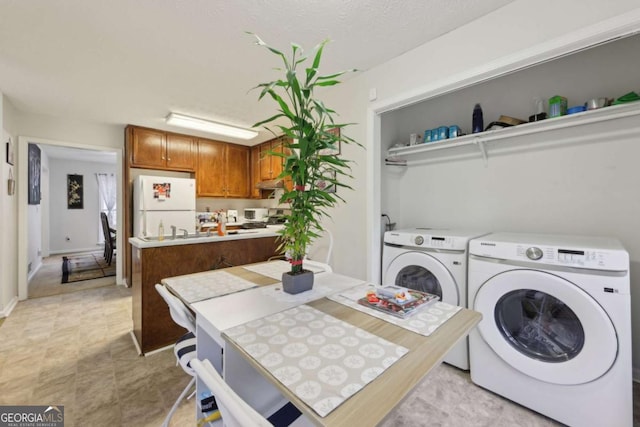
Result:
[{"x": 338, "y": 362}]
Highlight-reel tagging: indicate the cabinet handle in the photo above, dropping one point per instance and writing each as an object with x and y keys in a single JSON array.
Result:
[
  {"x": 168, "y": 159},
  {"x": 162, "y": 157}
]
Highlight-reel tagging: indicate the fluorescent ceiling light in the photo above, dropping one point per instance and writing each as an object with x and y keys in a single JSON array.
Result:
[{"x": 208, "y": 126}]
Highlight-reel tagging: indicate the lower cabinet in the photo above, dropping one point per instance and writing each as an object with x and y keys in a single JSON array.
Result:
[{"x": 152, "y": 325}]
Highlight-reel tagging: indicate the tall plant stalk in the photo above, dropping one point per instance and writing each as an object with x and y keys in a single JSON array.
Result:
[{"x": 311, "y": 135}]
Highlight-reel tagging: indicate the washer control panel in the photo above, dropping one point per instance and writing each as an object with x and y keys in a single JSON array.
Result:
[{"x": 589, "y": 258}]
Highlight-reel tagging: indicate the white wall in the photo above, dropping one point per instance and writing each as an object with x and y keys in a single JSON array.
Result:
[
  {"x": 81, "y": 226},
  {"x": 504, "y": 33},
  {"x": 8, "y": 244}
]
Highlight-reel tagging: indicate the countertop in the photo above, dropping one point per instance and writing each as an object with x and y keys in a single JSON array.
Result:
[{"x": 255, "y": 233}]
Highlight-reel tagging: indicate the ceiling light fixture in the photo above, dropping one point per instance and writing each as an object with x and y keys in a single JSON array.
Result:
[{"x": 209, "y": 126}]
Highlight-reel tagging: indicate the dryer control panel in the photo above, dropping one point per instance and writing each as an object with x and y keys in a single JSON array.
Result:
[{"x": 425, "y": 241}]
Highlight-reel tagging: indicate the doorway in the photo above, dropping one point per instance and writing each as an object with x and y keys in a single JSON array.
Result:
[{"x": 43, "y": 233}]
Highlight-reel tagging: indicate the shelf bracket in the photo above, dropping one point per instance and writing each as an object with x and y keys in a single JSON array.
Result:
[{"x": 483, "y": 151}]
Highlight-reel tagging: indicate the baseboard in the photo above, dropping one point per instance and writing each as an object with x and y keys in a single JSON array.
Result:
[
  {"x": 72, "y": 251},
  {"x": 135, "y": 342},
  {"x": 9, "y": 308},
  {"x": 34, "y": 271}
]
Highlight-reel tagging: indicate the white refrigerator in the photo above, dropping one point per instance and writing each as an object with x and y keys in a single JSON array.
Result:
[{"x": 161, "y": 198}]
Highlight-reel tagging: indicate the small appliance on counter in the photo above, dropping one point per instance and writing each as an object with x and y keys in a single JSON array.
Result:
[
  {"x": 256, "y": 214},
  {"x": 277, "y": 216},
  {"x": 232, "y": 215}
]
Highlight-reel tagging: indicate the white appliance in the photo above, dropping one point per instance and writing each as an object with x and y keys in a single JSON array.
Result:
[
  {"x": 555, "y": 334},
  {"x": 161, "y": 198},
  {"x": 433, "y": 261}
]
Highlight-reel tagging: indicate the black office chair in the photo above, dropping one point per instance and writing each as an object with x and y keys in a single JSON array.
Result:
[{"x": 109, "y": 238}]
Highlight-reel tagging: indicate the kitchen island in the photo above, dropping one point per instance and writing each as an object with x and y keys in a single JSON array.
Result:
[{"x": 154, "y": 260}]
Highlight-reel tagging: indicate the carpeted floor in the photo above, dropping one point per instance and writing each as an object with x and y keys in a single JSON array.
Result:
[
  {"x": 47, "y": 281},
  {"x": 77, "y": 268}
]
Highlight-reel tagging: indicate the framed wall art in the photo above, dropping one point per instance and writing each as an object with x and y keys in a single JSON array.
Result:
[
  {"x": 10, "y": 155},
  {"x": 327, "y": 183},
  {"x": 34, "y": 174},
  {"x": 75, "y": 192},
  {"x": 332, "y": 151}
]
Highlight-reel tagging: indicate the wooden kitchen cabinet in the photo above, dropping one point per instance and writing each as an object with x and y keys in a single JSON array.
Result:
[
  {"x": 254, "y": 191},
  {"x": 152, "y": 324},
  {"x": 155, "y": 149},
  {"x": 222, "y": 169},
  {"x": 270, "y": 166}
]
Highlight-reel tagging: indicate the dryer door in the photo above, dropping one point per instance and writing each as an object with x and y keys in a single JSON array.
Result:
[
  {"x": 422, "y": 272},
  {"x": 546, "y": 327}
]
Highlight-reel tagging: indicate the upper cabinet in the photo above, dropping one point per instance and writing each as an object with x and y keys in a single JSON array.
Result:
[
  {"x": 155, "y": 149},
  {"x": 223, "y": 169}
]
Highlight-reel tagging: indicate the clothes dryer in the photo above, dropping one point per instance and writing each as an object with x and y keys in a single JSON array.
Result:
[
  {"x": 555, "y": 335},
  {"x": 434, "y": 261}
]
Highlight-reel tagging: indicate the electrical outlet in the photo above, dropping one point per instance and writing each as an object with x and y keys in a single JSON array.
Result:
[{"x": 39, "y": 252}]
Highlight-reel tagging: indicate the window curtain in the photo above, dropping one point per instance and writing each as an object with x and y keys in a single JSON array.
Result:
[{"x": 108, "y": 196}]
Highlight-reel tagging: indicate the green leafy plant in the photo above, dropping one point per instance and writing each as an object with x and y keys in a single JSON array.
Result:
[{"x": 311, "y": 136}]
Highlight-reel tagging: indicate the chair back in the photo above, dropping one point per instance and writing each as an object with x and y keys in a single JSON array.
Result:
[
  {"x": 323, "y": 244},
  {"x": 179, "y": 312},
  {"x": 235, "y": 412},
  {"x": 106, "y": 231}
]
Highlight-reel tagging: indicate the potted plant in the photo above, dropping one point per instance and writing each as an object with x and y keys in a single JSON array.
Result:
[{"x": 310, "y": 143}]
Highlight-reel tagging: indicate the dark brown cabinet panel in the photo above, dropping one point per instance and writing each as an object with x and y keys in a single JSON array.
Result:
[{"x": 152, "y": 324}]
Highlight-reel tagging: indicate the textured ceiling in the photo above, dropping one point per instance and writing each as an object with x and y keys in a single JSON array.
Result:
[{"x": 124, "y": 61}]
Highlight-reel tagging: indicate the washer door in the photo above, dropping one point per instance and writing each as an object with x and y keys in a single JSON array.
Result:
[
  {"x": 422, "y": 272},
  {"x": 546, "y": 327}
]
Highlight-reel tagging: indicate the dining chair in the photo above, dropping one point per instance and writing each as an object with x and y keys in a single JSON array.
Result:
[
  {"x": 109, "y": 238},
  {"x": 235, "y": 411},
  {"x": 324, "y": 243},
  {"x": 185, "y": 347}
]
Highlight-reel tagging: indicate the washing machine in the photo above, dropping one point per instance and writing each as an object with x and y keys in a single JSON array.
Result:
[
  {"x": 434, "y": 261},
  {"x": 555, "y": 334}
]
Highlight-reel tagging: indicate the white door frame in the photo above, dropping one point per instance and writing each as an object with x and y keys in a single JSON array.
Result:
[{"x": 22, "y": 191}]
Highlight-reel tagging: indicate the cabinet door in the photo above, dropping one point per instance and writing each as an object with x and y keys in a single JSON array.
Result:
[
  {"x": 237, "y": 176},
  {"x": 277, "y": 162},
  {"x": 254, "y": 192},
  {"x": 266, "y": 171},
  {"x": 210, "y": 173},
  {"x": 148, "y": 148},
  {"x": 180, "y": 152}
]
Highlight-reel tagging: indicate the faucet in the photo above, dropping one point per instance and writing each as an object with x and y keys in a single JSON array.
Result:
[
  {"x": 185, "y": 233},
  {"x": 173, "y": 232}
]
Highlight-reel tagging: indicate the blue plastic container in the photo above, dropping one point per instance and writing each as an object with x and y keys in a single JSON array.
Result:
[
  {"x": 435, "y": 135},
  {"x": 443, "y": 132},
  {"x": 454, "y": 131},
  {"x": 576, "y": 109},
  {"x": 427, "y": 136}
]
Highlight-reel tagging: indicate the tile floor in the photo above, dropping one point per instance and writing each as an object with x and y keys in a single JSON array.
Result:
[
  {"x": 75, "y": 350},
  {"x": 46, "y": 281}
]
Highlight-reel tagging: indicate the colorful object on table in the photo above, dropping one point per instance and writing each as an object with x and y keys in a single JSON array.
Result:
[
  {"x": 397, "y": 301},
  {"x": 372, "y": 297}
]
